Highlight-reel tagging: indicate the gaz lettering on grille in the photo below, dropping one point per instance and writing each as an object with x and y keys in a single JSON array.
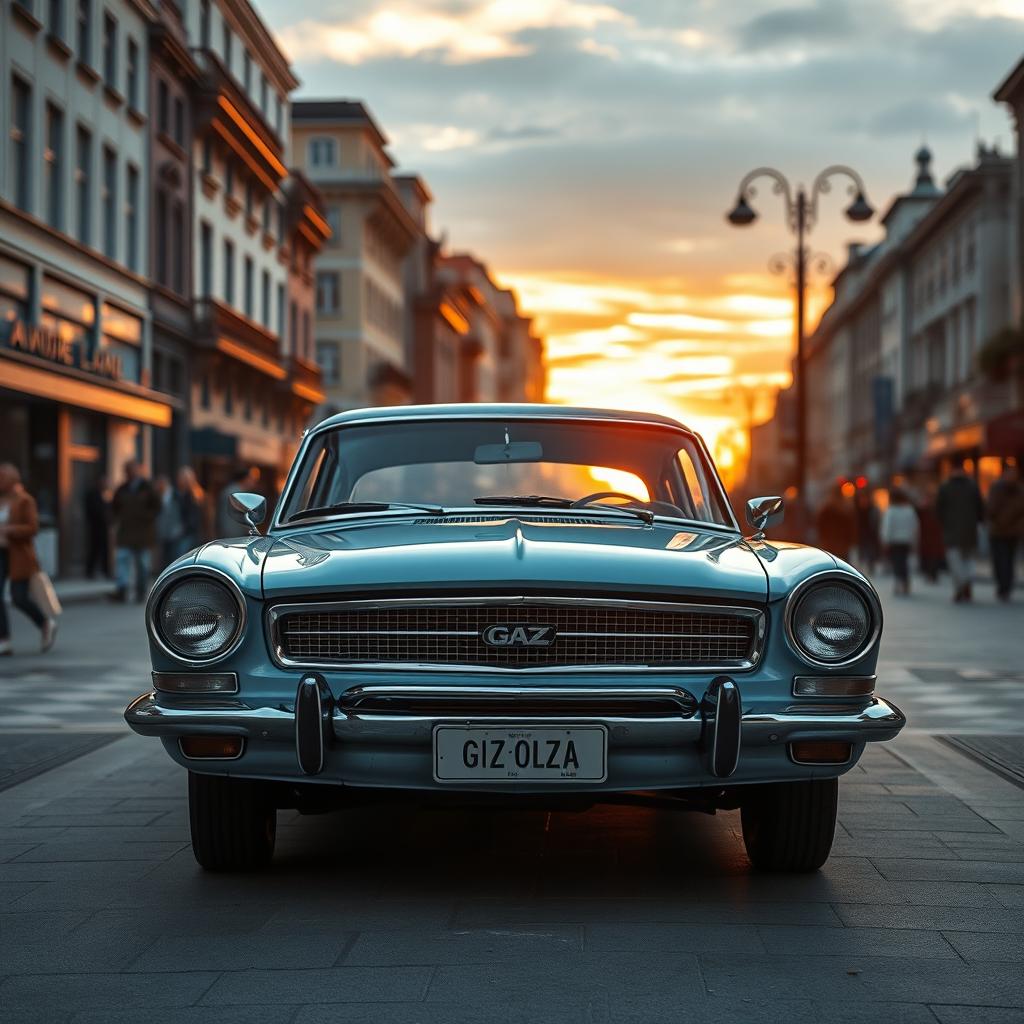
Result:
[{"x": 512, "y": 635}]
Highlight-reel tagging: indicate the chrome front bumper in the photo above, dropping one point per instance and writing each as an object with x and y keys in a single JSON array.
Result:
[{"x": 363, "y": 740}]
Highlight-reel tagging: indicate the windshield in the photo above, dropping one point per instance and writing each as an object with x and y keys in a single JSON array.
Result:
[{"x": 454, "y": 463}]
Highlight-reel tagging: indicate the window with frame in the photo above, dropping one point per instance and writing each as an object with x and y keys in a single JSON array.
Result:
[
  {"x": 328, "y": 361},
  {"x": 132, "y": 218},
  {"x": 205, "y": 259},
  {"x": 163, "y": 106},
  {"x": 322, "y": 152},
  {"x": 178, "y": 247},
  {"x": 227, "y": 45},
  {"x": 333, "y": 218},
  {"x": 162, "y": 225},
  {"x": 110, "y": 49},
  {"x": 204, "y": 24},
  {"x": 265, "y": 299},
  {"x": 14, "y": 293},
  {"x": 179, "y": 121},
  {"x": 55, "y": 18},
  {"x": 53, "y": 166},
  {"x": 328, "y": 291},
  {"x": 121, "y": 334},
  {"x": 131, "y": 82},
  {"x": 249, "y": 287},
  {"x": 247, "y": 70},
  {"x": 83, "y": 183},
  {"x": 68, "y": 311},
  {"x": 109, "y": 200},
  {"x": 264, "y": 92},
  {"x": 280, "y": 312},
  {"x": 21, "y": 143},
  {"x": 229, "y": 271},
  {"x": 83, "y": 19}
]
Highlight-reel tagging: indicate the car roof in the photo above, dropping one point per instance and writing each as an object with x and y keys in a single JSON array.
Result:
[{"x": 494, "y": 410}]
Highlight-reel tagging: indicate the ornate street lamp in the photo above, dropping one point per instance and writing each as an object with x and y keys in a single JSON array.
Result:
[{"x": 801, "y": 216}]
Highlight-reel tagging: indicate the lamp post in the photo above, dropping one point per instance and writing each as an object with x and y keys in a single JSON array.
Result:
[{"x": 801, "y": 216}]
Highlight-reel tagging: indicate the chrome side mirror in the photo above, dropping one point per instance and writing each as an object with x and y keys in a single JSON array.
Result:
[
  {"x": 248, "y": 509},
  {"x": 765, "y": 512}
]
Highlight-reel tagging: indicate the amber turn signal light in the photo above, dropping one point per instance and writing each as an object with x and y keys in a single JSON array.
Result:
[
  {"x": 226, "y": 747},
  {"x": 820, "y": 752}
]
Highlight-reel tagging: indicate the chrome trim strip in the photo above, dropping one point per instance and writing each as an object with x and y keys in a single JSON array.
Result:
[
  {"x": 351, "y": 699},
  {"x": 866, "y": 688},
  {"x": 869, "y": 595},
  {"x": 166, "y": 582},
  {"x": 274, "y": 612}
]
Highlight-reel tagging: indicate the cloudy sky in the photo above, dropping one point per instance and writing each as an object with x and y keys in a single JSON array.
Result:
[{"x": 588, "y": 150}]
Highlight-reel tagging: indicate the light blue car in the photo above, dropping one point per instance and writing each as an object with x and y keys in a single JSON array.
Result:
[{"x": 511, "y": 603}]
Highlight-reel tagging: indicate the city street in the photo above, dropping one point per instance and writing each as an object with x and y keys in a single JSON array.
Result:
[{"x": 617, "y": 914}]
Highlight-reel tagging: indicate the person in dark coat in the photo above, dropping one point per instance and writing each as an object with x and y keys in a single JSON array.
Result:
[
  {"x": 134, "y": 509},
  {"x": 190, "y": 498},
  {"x": 960, "y": 511},
  {"x": 930, "y": 551},
  {"x": 97, "y": 528},
  {"x": 1005, "y": 527},
  {"x": 868, "y": 524},
  {"x": 837, "y": 528}
]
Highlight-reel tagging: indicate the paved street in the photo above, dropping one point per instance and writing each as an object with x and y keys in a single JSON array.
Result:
[{"x": 618, "y": 914}]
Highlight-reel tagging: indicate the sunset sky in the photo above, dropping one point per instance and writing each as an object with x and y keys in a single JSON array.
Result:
[{"x": 588, "y": 150}]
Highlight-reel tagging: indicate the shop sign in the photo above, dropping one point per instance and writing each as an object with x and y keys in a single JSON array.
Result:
[{"x": 46, "y": 343}]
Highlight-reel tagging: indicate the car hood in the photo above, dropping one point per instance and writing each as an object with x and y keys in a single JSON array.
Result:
[{"x": 508, "y": 552}]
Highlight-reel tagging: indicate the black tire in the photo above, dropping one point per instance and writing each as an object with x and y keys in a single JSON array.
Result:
[
  {"x": 789, "y": 826},
  {"x": 233, "y": 822}
]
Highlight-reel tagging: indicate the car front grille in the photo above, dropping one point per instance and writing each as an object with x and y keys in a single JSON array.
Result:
[{"x": 535, "y": 633}]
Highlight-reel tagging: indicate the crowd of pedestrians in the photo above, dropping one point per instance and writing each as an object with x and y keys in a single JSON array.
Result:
[{"x": 946, "y": 527}]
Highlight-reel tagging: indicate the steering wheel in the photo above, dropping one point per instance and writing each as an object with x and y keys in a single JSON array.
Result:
[{"x": 600, "y": 495}]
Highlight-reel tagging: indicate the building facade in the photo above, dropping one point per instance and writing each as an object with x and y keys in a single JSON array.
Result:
[
  {"x": 896, "y": 381},
  {"x": 76, "y": 338},
  {"x": 360, "y": 275}
]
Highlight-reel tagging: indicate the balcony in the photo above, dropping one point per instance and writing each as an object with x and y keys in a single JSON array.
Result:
[{"x": 220, "y": 328}]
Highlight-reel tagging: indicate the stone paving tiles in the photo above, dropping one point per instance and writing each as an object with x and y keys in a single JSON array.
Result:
[{"x": 614, "y": 915}]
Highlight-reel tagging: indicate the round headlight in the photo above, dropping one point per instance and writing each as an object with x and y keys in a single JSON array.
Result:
[
  {"x": 198, "y": 618},
  {"x": 831, "y": 622}
]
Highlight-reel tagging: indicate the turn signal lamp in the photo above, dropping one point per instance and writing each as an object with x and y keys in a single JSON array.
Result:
[
  {"x": 210, "y": 747},
  {"x": 820, "y": 752},
  {"x": 195, "y": 682}
]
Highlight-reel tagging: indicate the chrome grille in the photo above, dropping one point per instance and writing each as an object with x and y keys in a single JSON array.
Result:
[{"x": 588, "y": 633}]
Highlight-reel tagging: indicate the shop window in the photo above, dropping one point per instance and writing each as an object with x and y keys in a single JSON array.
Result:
[
  {"x": 14, "y": 294},
  {"x": 68, "y": 311},
  {"x": 121, "y": 335}
]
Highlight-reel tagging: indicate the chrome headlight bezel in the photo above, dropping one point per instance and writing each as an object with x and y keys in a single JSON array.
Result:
[
  {"x": 163, "y": 588},
  {"x": 834, "y": 576}
]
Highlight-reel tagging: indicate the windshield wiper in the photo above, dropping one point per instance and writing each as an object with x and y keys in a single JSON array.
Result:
[
  {"x": 524, "y": 499},
  {"x": 547, "y": 501},
  {"x": 352, "y": 507}
]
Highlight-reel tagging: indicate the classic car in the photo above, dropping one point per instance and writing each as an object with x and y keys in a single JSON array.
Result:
[{"x": 502, "y": 603}]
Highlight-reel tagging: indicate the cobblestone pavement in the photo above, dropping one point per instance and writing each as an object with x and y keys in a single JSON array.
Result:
[{"x": 615, "y": 914}]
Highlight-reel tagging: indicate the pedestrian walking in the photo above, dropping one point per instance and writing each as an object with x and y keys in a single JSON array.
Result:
[
  {"x": 19, "y": 523},
  {"x": 837, "y": 528},
  {"x": 245, "y": 478},
  {"x": 960, "y": 511},
  {"x": 97, "y": 528},
  {"x": 1005, "y": 527},
  {"x": 190, "y": 497},
  {"x": 899, "y": 532},
  {"x": 867, "y": 520},
  {"x": 931, "y": 552},
  {"x": 168, "y": 522},
  {"x": 135, "y": 508}
]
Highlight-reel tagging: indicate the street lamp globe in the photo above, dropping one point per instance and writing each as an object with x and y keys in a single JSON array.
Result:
[
  {"x": 741, "y": 214},
  {"x": 860, "y": 209}
]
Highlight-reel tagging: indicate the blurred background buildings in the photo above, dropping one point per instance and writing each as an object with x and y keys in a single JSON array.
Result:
[{"x": 192, "y": 266}]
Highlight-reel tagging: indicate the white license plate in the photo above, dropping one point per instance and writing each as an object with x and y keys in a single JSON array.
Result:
[{"x": 472, "y": 753}]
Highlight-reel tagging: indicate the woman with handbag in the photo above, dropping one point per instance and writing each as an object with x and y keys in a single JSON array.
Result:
[{"x": 19, "y": 523}]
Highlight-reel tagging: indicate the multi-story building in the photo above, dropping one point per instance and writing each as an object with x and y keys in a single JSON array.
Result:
[
  {"x": 76, "y": 351},
  {"x": 894, "y": 378},
  {"x": 252, "y": 382},
  {"x": 360, "y": 279}
]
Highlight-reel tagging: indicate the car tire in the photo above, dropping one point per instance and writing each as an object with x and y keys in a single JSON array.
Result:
[
  {"x": 789, "y": 826},
  {"x": 233, "y": 823}
]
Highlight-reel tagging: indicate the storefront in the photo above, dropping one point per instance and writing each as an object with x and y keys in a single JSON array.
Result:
[{"x": 74, "y": 397}]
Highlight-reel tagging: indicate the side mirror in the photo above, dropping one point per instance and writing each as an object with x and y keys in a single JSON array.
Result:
[
  {"x": 248, "y": 509},
  {"x": 765, "y": 512}
]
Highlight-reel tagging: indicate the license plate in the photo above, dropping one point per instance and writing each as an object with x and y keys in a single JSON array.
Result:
[{"x": 470, "y": 753}]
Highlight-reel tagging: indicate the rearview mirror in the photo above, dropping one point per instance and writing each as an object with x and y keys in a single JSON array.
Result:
[
  {"x": 248, "y": 509},
  {"x": 513, "y": 451},
  {"x": 765, "y": 512}
]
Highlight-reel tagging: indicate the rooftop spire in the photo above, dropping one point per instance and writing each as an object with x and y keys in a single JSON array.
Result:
[{"x": 924, "y": 184}]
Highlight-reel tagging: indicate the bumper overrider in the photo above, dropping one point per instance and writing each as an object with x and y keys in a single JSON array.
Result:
[{"x": 659, "y": 736}]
